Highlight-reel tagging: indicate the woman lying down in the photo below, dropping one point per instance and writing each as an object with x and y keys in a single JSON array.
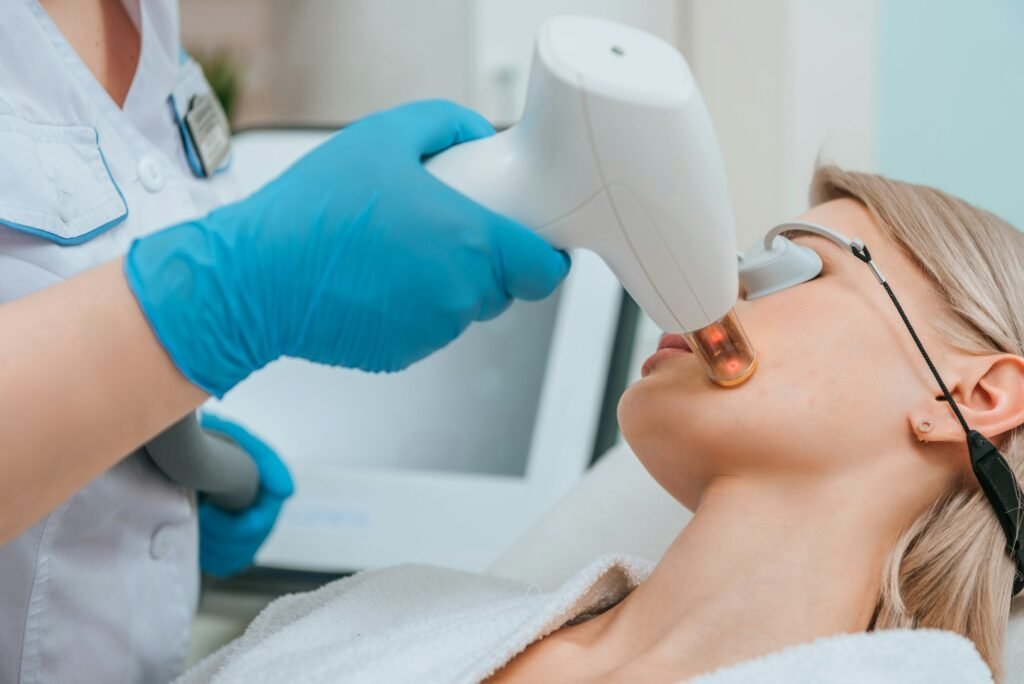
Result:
[{"x": 835, "y": 505}]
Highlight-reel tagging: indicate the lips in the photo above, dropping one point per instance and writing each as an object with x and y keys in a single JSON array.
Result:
[
  {"x": 670, "y": 345},
  {"x": 673, "y": 341}
]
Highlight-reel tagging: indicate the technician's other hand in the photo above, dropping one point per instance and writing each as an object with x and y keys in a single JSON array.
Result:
[
  {"x": 228, "y": 541},
  {"x": 355, "y": 256}
]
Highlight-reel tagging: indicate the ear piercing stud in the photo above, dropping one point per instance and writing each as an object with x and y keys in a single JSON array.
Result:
[{"x": 925, "y": 426}]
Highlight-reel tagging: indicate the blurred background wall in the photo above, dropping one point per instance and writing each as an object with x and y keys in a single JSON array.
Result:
[
  {"x": 925, "y": 90},
  {"x": 951, "y": 98}
]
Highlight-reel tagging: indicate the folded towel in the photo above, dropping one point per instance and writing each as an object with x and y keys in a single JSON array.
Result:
[
  {"x": 897, "y": 656},
  {"x": 427, "y": 624}
]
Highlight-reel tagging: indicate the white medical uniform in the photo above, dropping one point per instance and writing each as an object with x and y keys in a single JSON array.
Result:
[{"x": 105, "y": 587}]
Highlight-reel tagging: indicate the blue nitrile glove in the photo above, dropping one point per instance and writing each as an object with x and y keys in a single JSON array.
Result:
[
  {"x": 228, "y": 541},
  {"x": 356, "y": 256}
]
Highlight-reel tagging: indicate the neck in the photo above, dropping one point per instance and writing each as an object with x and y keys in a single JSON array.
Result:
[{"x": 762, "y": 565}]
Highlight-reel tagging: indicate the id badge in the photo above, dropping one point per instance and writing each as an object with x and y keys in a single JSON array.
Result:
[{"x": 205, "y": 131}]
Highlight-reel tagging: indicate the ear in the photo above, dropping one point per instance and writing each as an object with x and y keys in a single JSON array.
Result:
[{"x": 989, "y": 391}]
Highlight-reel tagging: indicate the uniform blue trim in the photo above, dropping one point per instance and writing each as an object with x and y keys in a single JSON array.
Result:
[
  {"x": 63, "y": 241},
  {"x": 84, "y": 237}
]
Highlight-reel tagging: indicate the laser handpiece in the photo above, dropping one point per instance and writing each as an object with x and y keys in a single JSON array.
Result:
[{"x": 615, "y": 153}]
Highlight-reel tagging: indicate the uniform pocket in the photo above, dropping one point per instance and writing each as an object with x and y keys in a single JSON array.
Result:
[{"x": 55, "y": 183}]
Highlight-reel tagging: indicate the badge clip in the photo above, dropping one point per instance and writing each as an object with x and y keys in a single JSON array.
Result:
[{"x": 205, "y": 131}]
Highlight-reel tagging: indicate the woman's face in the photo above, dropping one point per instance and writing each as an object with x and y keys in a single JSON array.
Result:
[{"x": 838, "y": 374}]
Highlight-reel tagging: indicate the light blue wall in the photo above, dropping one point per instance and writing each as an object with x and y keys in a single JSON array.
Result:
[{"x": 951, "y": 100}]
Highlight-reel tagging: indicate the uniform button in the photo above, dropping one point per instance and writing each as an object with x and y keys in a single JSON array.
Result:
[
  {"x": 151, "y": 173},
  {"x": 162, "y": 543}
]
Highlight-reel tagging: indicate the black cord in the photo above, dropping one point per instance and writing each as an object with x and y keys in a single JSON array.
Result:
[
  {"x": 862, "y": 253},
  {"x": 993, "y": 473}
]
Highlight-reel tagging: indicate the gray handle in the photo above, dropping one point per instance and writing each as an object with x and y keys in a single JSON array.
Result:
[{"x": 198, "y": 460}]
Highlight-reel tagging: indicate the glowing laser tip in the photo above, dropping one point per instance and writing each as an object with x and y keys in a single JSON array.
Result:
[{"x": 725, "y": 351}]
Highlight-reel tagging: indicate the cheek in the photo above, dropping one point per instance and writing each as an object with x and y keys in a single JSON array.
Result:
[
  {"x": 828, "y": 369},
  {"x": 820, "y": 374}
]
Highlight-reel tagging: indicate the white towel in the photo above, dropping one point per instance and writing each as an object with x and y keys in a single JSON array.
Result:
[{"x": 426, "y": 624}]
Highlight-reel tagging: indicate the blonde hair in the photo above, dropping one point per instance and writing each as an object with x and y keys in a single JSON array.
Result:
[{"x": 949, "y": 569}]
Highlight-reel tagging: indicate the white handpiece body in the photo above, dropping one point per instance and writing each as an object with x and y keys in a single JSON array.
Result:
[{"x": 615, "y": 153}]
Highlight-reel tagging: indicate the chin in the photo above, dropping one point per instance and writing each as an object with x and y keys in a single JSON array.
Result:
[
  {"x": 634, "y": 409},
  {"x": 664, "y": 399},
  {"x": 656, "y": 427}
]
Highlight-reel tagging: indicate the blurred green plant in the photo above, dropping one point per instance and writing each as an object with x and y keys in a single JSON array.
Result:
[{"x": 224, "y": 73}]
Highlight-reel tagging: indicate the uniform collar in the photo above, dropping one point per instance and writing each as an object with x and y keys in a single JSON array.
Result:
[{"x": 143, "y": 120}]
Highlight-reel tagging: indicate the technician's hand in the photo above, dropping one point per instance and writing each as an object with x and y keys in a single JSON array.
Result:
[
  {"x": 356, "y": 256},
  {"x": 228, "y": 541}
]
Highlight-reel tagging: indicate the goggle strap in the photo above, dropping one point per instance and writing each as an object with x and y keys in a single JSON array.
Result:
[
  {"x": 1003, "y": 493},
  {"x": 989, "y": 465}
]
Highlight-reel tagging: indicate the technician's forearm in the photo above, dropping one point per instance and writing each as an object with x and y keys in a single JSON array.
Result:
[{"x": 83, "y": 382}]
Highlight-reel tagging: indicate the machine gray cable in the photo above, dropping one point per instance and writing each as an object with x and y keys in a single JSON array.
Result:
[{"x": 199, "y": 460}]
